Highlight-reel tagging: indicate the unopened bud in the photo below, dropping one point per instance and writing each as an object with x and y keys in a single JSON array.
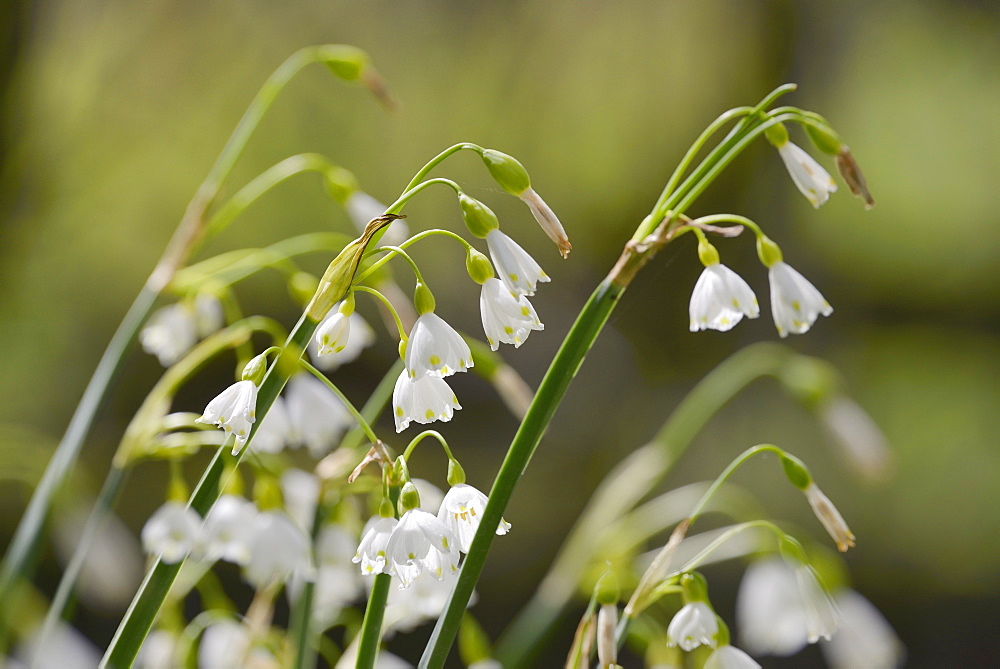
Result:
[
  {"x": 607, "y": 646},
  {"x": 479, "y": 218},
  {"x": 830, "y": 517},
  {"x": 851, "y": 174},
  {"x": 479, "y": 266},
  {"x": 506, "y": 171},
  {"x": 337, "y": 279}
]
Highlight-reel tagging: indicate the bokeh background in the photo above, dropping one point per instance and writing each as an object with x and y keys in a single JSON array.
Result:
[{"x": 114, "y": 111}]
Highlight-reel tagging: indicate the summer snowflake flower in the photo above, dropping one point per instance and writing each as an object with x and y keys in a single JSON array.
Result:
[
  {"x": 828, "y": 514},
  {"x": 423, "y": 399},
  {"x": 317, "y": 417},
  {"x": 795, "y": 303},
  {"x": 171, "y": 532},
  {"x": 420, "y": 542},
  {"x": 695, "y": 624},
  {"x": 810, "y": 178},
  {"x": 435, "y": 348},
  {"x": 361, "y": 337},
  {"x": 548, "y": 220},
  {"x": 371, "y": 551},
  {"x": 865, "y": 637},
  {"x": 234, "y": 411},
  {"x": 228, "y": 530},
  {"x": 822, "y": 618},
  {"x": 720, "y": 300},
  {"x": 169, "y": 333},
  {"x": 278, "y": 549},
  {"x": 518, "y": 270},
  {"x": 507, "y": 317},
  {"x": 461, "y": 511},
  {"x": 333, "y": 334},
  {"x": 729, "y": 657}
]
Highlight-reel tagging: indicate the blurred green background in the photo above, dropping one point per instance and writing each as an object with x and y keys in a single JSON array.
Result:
[{"x": 114, "y": 111}]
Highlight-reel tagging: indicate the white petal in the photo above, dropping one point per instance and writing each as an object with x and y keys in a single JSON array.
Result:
[
  {"x": 361, "y": 337},
  {"x": 424, "y": 399},
  {"x": 518, "y": 270},
  {"x": 507, "y": 318},
  {"x": 277, "y": 549},
  {"x": 865, "y": 637},
  {"x": 695, "y": 624},
  {"x": 435, "y": 348},
  {"x": 169, "y": 333},
  {"x": 728, "y": 657},
  {"x": 795, "y": 303},
  {"x": 720, "y": 299},
  {"x": 810, "y": 178},
  {"x": 318, "y": 418},
  {"x": 234, "y": 410},
  {"x": 171, "y": 532},
  {"x": 769, "y": 610}
]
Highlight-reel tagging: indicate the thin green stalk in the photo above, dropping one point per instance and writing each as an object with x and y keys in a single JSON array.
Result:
[
  {"x": 343, "y": 398},
  {"x": 19, "y": 558},
  {"x": 148, "y": 600},
  {"x": 371, "y": 628},
  {"x": 564, "y": 367},
  {"x": 436, "y": 160},
  {"x": 631, "y": 480},
  {"x": 740, "y": 460}
]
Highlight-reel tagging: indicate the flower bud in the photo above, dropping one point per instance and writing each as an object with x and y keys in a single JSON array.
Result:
[
  {"x": 830, "y": 517},
  {"x": 255, "y": 369},
  {"x": 796, "y": 471},
  {"x": 337, "y": 279},
  {"x": 823, "y": 136},
  {"x": 409, "y": 498},
  {"x": 768, "y": 252},
  {"x": 423, "y": 299},
  {"x": 479, "y": 218},
  {"x": 777, "y": 135},
  {"x": 456, "y": 474},
  {"x": 506, "y": 171},
  {"x": 479, "y": 266}
]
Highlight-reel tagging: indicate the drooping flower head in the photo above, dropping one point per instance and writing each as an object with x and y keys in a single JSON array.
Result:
[
  {"x": 809, "y": 177},
  {"x": 720, "y": 300},
  {"x": 317, "y": 417},
  {"x": 278, "y": 548},
  {"x": 234, "y": 410},
  {"x": 518, "y": 270},
  {"x": 171, "y": 532},
  {"x": 795, "y": 303},
  {"x": 372, "y": 549},
  {"x": 508, "y": 318},
  {"x": 228, "y": 530},
  {"x": 461, "y": 511},
  {"x": 423, "y": 399},
  {"x": 420, "y": 542},
  {"x": 435, "y": 348},
  {"x": 696, "y": 623}
]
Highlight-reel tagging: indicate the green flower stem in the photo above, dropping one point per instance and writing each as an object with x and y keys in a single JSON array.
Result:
[
  {"x": 261, "y": 184},
  {"x": 412, "y": 190},
  {"x": 729, "y": 218},
  {"x": 301, "y": 629},
  {"x": 154, "y": 588},
  {"x": 388, "y": 305},
  {"x": 396, "y": 251},
  {"x": 343, "y": 398},
  {"x": 18, "y": 562},
  {"x": 436, "y": 160},
  {"x": 408, "y": 451},
  {"x": 409, "y": 242},
  {"x": 564, "y": 367},
  {"x": 696, "y": 561},
  {"x": 631, "y": 480},
  {"x": 740, "y": 460},
  {"x": 371, "y": 628},
  {"x": 19, "y": 558}
]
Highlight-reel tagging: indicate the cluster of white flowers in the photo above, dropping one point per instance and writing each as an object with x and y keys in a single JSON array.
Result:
[
  {"x": 267, "y": 544},
  {"x": 173, "y": 330},
  {"x": 421, "y": 542}
]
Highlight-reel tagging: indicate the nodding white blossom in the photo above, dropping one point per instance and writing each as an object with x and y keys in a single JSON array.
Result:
[
  {"x": 173, "y": 330},
  {"x": 228, "y": 530},
  {"x": 548, "y": 220},
  {"x": 729, "y": 657},
  {"x": 318, "y": 418},
  {"x": 830, "y": 517},
  {"x": 720, "y": 299},
  {"x": 333, "y": 334},
  {"x": 361, "y": 337},
  {"x": 234, "y": 410},
  {"x": 780, "y": 609},
  {"x": 171, "y": 532},
  {"x": 461, "y": 510},
  {"x": 274, "y": 429},
  {"x": 695, "y": 624},
  {"x": 423, "y": 399},
  {"x": 278, "y": 549},
  {"x": 822, "y": 618},
  {"x": 795, "y": 303},
  {"x": 362, "y": 207},
  {"x": 507, "y": 317},
  {"x": 372, "y": 549},
  {"x": 420, "y": 542},
  {"x": 865, "y": 637},
  {"x": 810, "y": 178},
  {"x": 518, "y": 270},
  {"x": 435, "y": 348}
]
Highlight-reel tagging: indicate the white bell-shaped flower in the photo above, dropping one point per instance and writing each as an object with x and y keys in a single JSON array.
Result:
[
  {"x": 810, "y": 178},
  {"x": 518, "y": 270},
  {"x": 420, "y": 542},
  {"x": 730, "y": 657},
  {"x": 720, "y": 299},
  {"x": 695, "y": 624},
  {"x": 435, "y": 348},
  {"x": 278, "y": 549},
  {"x": 333, "y": 334},
  {"x": 548, "y": 220},
  {"x": 461, "y": 510},
  {"x": 830, "y": 517},
  {"x": 371, "y": 551},
  {"x": 274, "y": 429},
  {"x": 822, "y": 618},
  {"x": 169, "y": 333},
  {"x": 865, "y": 638},
  {"x": 318, "y": 418},
  {"x": 423, "y": 399},
  {"x": 507, "y": 317},
  {"x": 361, "y": 337},
  {"x": 171, "y": 532},
  {"x": 228, "y": 530},
  {"x": 234, "y": 410},
  {"x": 795, "y": 303}
]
